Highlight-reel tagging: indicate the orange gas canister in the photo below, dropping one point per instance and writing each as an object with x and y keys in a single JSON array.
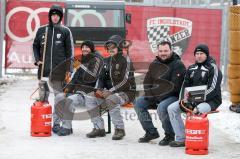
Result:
[
  {"x": 41, "y": 119},
  {"x": 197, "y": 134}
]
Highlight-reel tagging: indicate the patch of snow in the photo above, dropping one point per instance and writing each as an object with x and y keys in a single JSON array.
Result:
[
  {"x": 226, "y": 120},
  {"x": 16, "y": 142}
]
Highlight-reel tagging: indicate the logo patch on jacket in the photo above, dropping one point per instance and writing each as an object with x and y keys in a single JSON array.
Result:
[
  {"x": 59, "y": 36},
  {"x": 192, "y": 74},
  {"x": 117, "y": 66},
  {"x": 203, "y": 74},
  {"x": 58, "y": 42}
]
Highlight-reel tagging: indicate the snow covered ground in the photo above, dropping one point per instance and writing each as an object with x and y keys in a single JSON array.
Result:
[{"x": 16, "y": 142}]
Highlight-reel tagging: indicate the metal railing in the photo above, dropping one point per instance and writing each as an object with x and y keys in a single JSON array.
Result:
[{"x": 185, "y": 3}]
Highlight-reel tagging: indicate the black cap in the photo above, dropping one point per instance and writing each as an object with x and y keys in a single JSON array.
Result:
[
  {"x": 115, "y": 39},
  {"x": 89, "y": 44},
  {"x": 203, "y": 48},
  {"x": 55, "y": 9}
]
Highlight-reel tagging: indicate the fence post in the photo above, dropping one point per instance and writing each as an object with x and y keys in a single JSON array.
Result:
[
  {"x": 224, "y": 47},
  {"x": 2, "y": 19}
]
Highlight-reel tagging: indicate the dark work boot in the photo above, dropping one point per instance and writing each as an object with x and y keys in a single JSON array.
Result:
[
  {"x": 96, "y": 133},
  {"x": 148, "y": 137},
  {"x": 118, "y": 134},
  {"x": 56, "y": 128},
  {"x": 64, "y": 131},
  {"x": 177, "y": 144},
  {"x": 166, "y": 140}
]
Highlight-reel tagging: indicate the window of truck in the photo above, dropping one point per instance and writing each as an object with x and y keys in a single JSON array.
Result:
[{"x": 95, "y": 18}]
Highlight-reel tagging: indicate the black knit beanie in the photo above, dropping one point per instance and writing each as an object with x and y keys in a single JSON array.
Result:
[
  {"x": 89, "y": 44},
  {"x": 203, "y": 48}
]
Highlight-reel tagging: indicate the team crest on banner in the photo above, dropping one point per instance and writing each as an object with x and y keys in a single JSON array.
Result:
[{"x": 176, "y": 30}]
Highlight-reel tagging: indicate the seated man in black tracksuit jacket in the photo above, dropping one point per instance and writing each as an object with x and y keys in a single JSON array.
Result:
[
  {"x": 115, "y": 87},
  {"x": 82, "y": 83},
  {"x": 203, "y": 72}
]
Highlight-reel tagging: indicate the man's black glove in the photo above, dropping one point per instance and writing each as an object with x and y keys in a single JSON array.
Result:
[{"x": 187, "y": 105}]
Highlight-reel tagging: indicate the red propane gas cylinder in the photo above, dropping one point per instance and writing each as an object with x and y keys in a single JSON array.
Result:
[
  {"x": 41, "y": 119},
  {"x": 197, "y": 134}
]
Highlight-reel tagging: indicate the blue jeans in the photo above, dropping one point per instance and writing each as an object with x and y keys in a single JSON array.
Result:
[
  {"x": 174, "y": 112},
  {"x": 141, "y": 107},
  {"x": 163, "y": 114}
]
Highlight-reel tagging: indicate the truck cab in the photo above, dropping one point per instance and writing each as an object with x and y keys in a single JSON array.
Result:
[{"x": 95, "y": 21}]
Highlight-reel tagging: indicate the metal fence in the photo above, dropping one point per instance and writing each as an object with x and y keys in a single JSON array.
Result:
[{"x": 186, "y": 3}]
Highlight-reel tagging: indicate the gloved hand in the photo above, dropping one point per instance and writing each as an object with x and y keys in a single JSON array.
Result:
[
  {"x": 66, "y": 90},
  {"x": 106, "y": 93},
  {"x": 68, "y": 77},
  {"x": 76, "y": 63},
  {"x": 185, "y": 106},
  {"x": 98, "y": 94}
]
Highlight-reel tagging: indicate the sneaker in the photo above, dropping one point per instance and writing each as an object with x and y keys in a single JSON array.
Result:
[
  {"x": 166, "y": 140},
  {"x": 96, "y": 133},
  {"x": 56, "y": 128},
  {"x": 148, "y": 136},
  {"x": 118, "y": 134},
  {"x": 64, "y": 131},
  {"x": 177, "y": 144},
  {"x": 235, "y": 108}
]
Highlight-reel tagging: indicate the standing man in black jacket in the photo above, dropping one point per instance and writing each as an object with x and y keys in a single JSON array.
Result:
[
  {"x": 203, "y": 72},
  {"x": 59, "y": 49},
  {"x": 115, "y": 87},
  {"x": 162, "y": 85}
]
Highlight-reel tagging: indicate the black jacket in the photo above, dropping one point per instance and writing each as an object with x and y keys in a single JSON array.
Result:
[
  {"x": 206, "y": 73},
  {"x": 164, "y": 78},
  {"x": 118, "y": 76},
  {"x": 59, "y": 49},
  {"x": 84, "y": 79}
]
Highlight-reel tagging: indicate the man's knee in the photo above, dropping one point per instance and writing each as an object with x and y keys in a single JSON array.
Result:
[
  {"x": 76, "y": 99},
  {"x": 173, "y": 108},
  {"x": 140, "y": 102},
  {"x": 72, "y": 97},
  {"x": 59, "y": 97},
  {"x": 161, "y": 108},
  {"x": 204, "y": 108}
]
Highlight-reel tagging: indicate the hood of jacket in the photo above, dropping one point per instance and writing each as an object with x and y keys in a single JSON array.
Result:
[{"x": 55, "y": 9}]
